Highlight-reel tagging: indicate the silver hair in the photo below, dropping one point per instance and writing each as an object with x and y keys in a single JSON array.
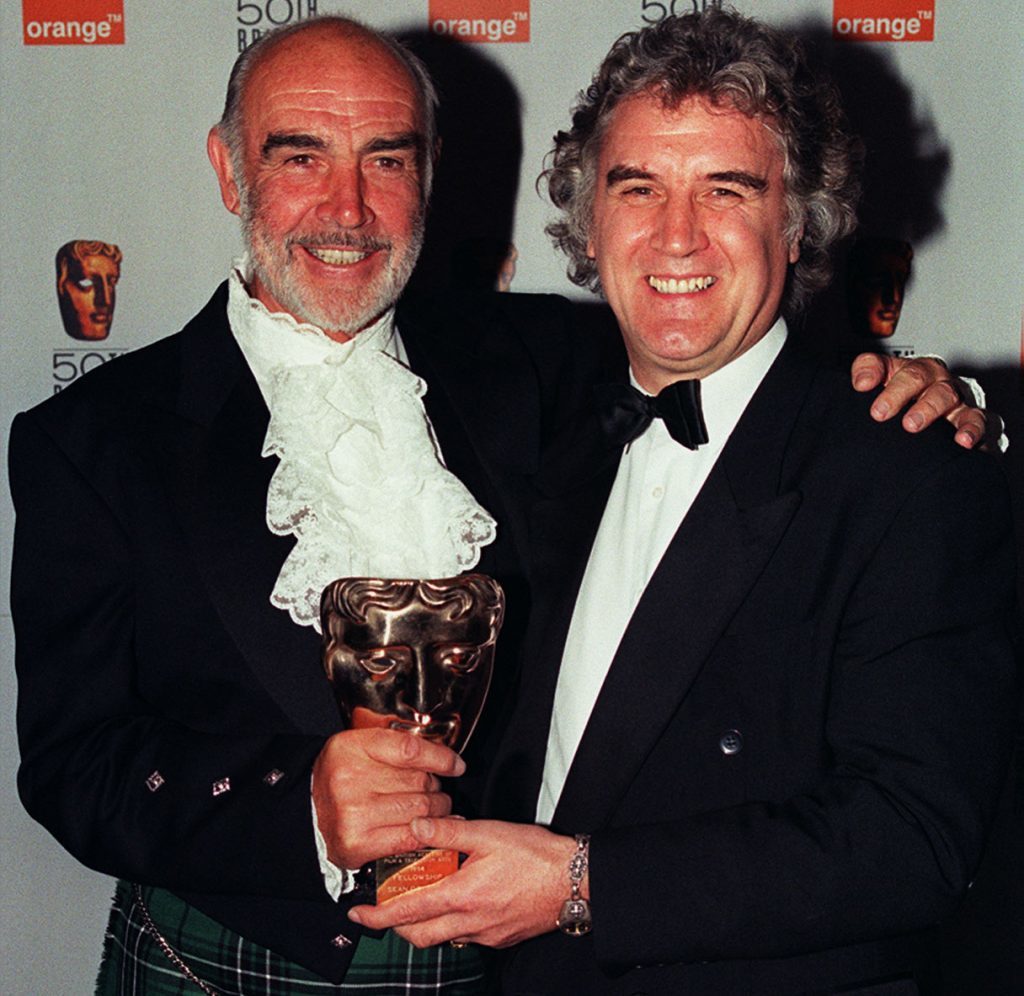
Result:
[{"x": 732, "y": 61}]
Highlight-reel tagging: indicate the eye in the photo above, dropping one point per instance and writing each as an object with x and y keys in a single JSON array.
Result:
[
  {"x": 461, "y": 657},
  {"x": 302, "y": 159},
  {"x": 391, "y": 164},
  {"x": 380, "y": 661},
  {"x": 638, "y": 191},
  {"x": 84, "y": 284}
]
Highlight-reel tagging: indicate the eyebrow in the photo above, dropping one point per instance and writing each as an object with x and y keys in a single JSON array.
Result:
[
  {"x": 749, "y": 180},
  {"x": 623, "y": 174},
  {"x": 290, "y": 140},
  {"x": 620, "y": 174},
  {"x": 406, "y": 140},
  {"x": 301, "y": 140}
]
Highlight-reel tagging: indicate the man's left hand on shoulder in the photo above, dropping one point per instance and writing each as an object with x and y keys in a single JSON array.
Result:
[
  {"x": 477, "y": 903},
  {"x": 928, "y": 387}
]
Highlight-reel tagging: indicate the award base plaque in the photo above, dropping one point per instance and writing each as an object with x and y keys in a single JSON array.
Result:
[
  {"x": 398, "y": 874},
  {"x": 415, "y": 656}
]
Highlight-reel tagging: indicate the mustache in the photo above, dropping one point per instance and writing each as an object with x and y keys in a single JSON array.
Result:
[{"x": 342, "y": 239}]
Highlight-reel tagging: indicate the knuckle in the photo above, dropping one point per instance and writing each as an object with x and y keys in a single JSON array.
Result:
[
  {"x": 410, "y": 747},
  {"x": 947, "y": 389},
  {"x": 916, "y": 372}
]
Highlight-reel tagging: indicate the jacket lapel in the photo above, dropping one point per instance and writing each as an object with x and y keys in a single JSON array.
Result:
[
  {"x": 717, "y": 554},
  {"x": 222, "y": 488}
]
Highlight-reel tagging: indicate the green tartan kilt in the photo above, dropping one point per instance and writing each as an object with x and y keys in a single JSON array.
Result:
[{"x": 134, "y": 964}]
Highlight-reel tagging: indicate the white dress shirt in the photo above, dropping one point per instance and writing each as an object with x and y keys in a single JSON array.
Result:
[{"x": 657, "y": 482}]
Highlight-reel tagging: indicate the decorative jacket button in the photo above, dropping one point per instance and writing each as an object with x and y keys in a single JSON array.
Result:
[{"x": 731, "y": 742}]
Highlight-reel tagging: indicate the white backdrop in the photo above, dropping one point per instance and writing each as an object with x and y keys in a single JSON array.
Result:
[{"x": 107, "y": 142}]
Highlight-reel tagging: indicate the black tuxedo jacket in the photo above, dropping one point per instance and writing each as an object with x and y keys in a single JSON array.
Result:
[
  {"x": 791, "y": 764},
  {"x": 151, "y": 664}
]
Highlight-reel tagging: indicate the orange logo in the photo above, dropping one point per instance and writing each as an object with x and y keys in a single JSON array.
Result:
[
  {"x": 481, "y": 20},
  {"x": 72, "y": 22},
  {"x": 883, "y": 20}
]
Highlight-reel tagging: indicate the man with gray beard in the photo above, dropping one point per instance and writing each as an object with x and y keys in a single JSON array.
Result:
[{"x": 180, "y": 511}]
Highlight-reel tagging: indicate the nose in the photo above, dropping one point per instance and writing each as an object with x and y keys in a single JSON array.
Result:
[
  {"x": 680, "y": 228},
  {"x": 423, "y": 691},
  {"x": 343, "y": 202},
  {"x": 101, "y": 293},
  {"x": 890, "y": 292}
]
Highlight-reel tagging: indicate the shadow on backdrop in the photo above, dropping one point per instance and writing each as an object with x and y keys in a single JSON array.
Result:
[
  {"x": 472, "y": 210},
  {"x": 906, "y": 164}
]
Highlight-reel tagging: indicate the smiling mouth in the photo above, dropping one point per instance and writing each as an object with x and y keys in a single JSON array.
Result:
[
  {"x": 337, "y": 257},
  {"x": 685, "y": 285}
]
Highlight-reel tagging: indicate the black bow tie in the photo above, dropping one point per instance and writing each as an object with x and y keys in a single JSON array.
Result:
[{"x": 626, "y": 412}]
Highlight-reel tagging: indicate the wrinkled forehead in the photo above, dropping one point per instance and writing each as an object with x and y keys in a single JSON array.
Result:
[{"x": 330, "y": 72}]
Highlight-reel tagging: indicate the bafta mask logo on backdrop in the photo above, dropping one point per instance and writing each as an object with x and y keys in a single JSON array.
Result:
[
  {"x": 883, "y": 20},
  {"x": 876, "y": 280},
  {"x": 72, "y": 22},
  {"x": 481, "y": 20},
  {"x": 87, "y": 275}
]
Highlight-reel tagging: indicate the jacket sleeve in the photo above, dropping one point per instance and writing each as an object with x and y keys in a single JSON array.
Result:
[{"x": 119, "y": 775}]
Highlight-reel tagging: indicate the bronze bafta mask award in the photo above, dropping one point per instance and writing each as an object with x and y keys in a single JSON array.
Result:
[{"x": 415, "y": 656}]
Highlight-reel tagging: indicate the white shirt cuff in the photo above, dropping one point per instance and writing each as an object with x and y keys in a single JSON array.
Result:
[{"x": 337, "y": 881}]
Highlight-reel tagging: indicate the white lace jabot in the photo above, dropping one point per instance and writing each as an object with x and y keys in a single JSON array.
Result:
[{"x": 361, "y": 482}]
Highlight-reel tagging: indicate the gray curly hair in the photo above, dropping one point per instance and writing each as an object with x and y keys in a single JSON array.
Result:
[{"x": 735, "y": 61}]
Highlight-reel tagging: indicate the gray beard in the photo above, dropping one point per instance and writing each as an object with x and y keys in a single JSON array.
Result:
[{"x": 328, "y": 310}]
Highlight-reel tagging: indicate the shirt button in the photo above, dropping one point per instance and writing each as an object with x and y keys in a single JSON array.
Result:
[
  {"x": 658, "y": 492},
  {"x": 731, "y": 742}
]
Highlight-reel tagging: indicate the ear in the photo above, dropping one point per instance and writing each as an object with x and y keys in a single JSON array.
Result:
[
  {"x": 220, "y": 158},
  {"x": 591, "y": 251}
]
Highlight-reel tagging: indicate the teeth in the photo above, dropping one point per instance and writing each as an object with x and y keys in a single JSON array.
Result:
[
  {"x": 337, "y": 257},
  {"x": 673, "y": 286}
]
